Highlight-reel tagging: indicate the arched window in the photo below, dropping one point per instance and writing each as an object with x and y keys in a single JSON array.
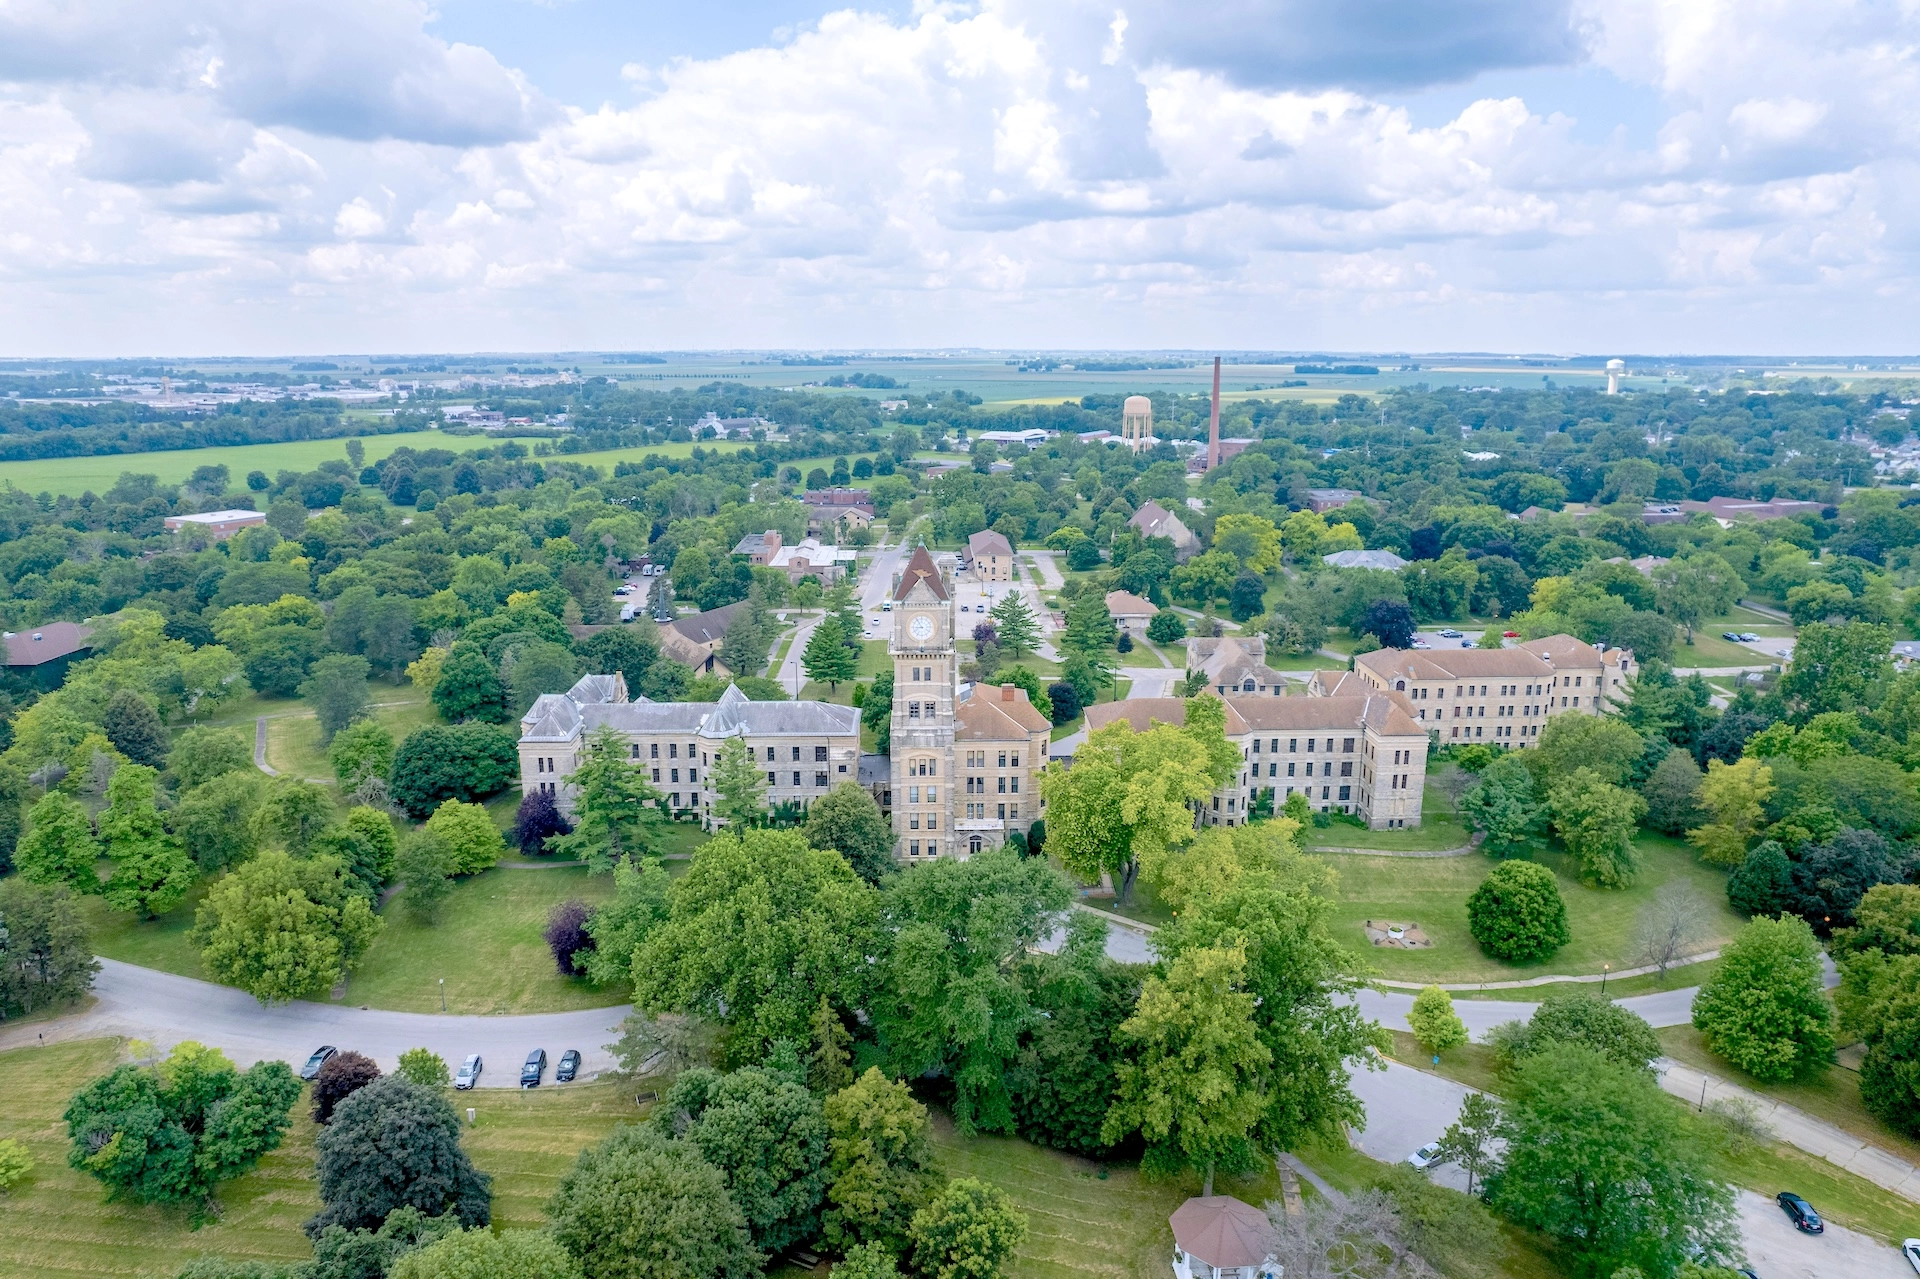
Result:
[
  {"x": 1248, "y": 686},
  {"x": 973, "y": 845},
  {"x": 1400, "y": 686}
]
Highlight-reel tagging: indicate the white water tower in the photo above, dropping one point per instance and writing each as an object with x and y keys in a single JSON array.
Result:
[{"x": 1616, "y": 369}]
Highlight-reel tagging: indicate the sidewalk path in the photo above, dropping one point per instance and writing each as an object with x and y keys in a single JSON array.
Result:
[
  {"x": 260, "y": 748},
  {"x": 1797, "y": 1128},
  {"x": 1586, "y": 978}
]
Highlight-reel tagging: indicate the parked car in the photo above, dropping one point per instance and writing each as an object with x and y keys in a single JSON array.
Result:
[
  {"x": 1748, "y": 637},
  {"x": 1425, "y": 1157},
  {"x": 1466, "y": 643},
  {"x": 1800, "y": 1213},
  {"x": 1420, "y": 643},
  {"x": 469, "y": 1075},
  {"x": 318, "y": 1060},
  {"x": 1735, "y": 636},
  {"x": 1911, "y": 1251},
  {"x": 623, "y": 590},
  {"x": 1450, "y": 633},
  {"x": 1509, "y": 634},
  {"x": 568, "y": 1068},
  {"x": 535, "y": 1069}
]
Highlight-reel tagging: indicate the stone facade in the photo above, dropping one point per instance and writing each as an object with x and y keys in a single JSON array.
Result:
[{"x": 1502, "y": 695}]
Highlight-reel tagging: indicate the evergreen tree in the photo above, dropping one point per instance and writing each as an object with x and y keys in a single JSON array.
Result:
[
  {"x": 616, "y": 808},
  {"x": 1503, "y": 806},
  {"x": 739, "y": 781},
  {"x": 1090, "y": 629},
  {"x": 1019, "y": 629},
  {"x": 135, "y": 730},
  {"x": 46, "y": 956},
  {"x": 827, "y": 659}
]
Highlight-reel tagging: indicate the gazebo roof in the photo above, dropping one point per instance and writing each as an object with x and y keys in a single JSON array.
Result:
[{"x": 1223, "y": 1231}]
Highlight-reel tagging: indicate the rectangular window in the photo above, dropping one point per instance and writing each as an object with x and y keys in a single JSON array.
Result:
[
  {"x": 1346, "y": 792},
  {"x": 654, "y": 750},
  {"x": 1003, "y": 785},
  {"x": 913, "y": 822},
  {"x": 796, "y": 777},
  {"x": 1013, "y": 785},
  {"x": 819, "y": 779},
  {"x": 770, "y": 779},
  {"x": 933, "y": 796},
  {"x": 1310, "y": 742},
  {"x": 769, "y": 754},
  {"x": 1003, "y": 812},
  {"x": 676, "y": 774},
  {"x": 933, "y": 821},
  {"x": 913, "y": 710},
  {"x": 1346, "y": 746},
  {"x": 1013, "y": 811},
  {"x": 656, "y": 774},
  {"x": 1256, "y": 746},
  {"x": 796, "y": 754},
  {"x": 693, "y": 775},
  {"x": 1293, "y": 743},
  {"x": 636, "y": 752},
  {"x": 674, "y": 799},
  {"x": 1290, "y": 773},
  {"x": 913, "y": 794},
  {"x": 1016, "y": 760},
  {"x": 1346, "y": 768},
  {"x": 1273, "y": 770},
  {"x": 913, "y": 848},
  {"x": 819, "y": 754},
  {"x": 673, "y": 750},
  {"x": 1309, "y": 768}
]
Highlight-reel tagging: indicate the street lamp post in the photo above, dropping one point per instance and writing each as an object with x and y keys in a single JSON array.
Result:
[
  {"x": 1604, "y": 970},
  {"x": 443, "y": 994}
]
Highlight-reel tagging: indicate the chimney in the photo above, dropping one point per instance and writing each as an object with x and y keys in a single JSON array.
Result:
[{"x": 1213, "y": 420}]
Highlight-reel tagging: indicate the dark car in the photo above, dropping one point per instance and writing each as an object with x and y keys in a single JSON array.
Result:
[
  {"x": 318, "y": 1060},
  {"x": 469, "y": 1075},
  {"x": 568, "y": 1068},
  {"x": 536, "y": 1067},
  {"x": 1800, "y": 1213}
]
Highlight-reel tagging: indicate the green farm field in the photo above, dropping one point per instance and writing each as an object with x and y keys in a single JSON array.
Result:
[{"x": 72, "y": 476}]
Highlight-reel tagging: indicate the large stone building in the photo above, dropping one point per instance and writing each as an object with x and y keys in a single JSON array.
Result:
[
  {"x": 805, "y": 748},
  {"x": 1496, "y": 695},
  {"x": 965, "y": 767},
  {"x": 1361, "y": 752}
]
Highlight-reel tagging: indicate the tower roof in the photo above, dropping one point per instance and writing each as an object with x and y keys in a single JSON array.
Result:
[{"x": 920, "y": 568}]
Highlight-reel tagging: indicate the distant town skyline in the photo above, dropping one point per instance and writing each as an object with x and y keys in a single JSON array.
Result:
[{"x": 195, "y": 176}]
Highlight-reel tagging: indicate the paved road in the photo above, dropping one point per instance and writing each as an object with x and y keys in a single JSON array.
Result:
[
  {"x": 163, "y": 1009},
  {"x": 1407, "y": 1108}
]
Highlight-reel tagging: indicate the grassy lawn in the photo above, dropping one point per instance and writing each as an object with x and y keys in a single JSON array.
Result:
[
  {"x": 58, "y": 1224},
  {"x": 487, "y": 944},
  {"x": 1832, "y": 1095},
  {"x": 1438, "y": 830},
  {"x": 874, "y": 662},
  {"x": 1079, "y": 1223},
  {"x": 1432, "y": 892},
  {"x": 293, "y": 734},
  {"x": 158, "y": 943}
]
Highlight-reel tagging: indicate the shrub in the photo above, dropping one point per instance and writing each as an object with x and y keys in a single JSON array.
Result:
[
  {"x": 425, "y": 1067},
  {"x": 568, "y": 938},
  {"x": 467, "y": 832},
  {"x": 15, "y": 1163},
  {"x": 1434, "y": 1022},
  {"x": 968, "y": 1232},
  {"x": 341, "y": 1075},
  {"x": 538, "y": 819},
  {"x": 1517, "y": 914},
  {"x": 1578, "y": 1017}
]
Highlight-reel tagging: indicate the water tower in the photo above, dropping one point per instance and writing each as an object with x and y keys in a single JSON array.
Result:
[
  {"x": 1136, "y": 422},
  {"x": 1616, "y": 369}
]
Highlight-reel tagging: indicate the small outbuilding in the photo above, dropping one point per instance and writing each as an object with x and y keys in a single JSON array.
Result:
[
  {"x": 1129, "y": 612},
  {"x": 1220, "y": 1237}
]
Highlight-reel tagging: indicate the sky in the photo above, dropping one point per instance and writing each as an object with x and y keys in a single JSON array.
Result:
[{"x": 182, "y": 177}]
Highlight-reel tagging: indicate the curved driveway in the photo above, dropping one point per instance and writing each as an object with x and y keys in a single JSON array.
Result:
[{"x": 165, "y": 1009}]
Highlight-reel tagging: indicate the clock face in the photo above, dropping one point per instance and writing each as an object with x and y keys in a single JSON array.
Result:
[{"x": 921, "y": 627}]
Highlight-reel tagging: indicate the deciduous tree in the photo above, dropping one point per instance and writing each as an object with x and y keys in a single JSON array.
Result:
[
  {"x": 1503, "y": 804},
  {"x": 151, "y": 872},
  {"x": 759, "y": 928},
  {"x": 426, "y": 868},
  {"x": 425, "y": 1067},
  {"x": 1517, "y": 913},
  {"x": 467, "y": 832},
  {"x": 848, "y": 821},
  {"x": 46, "y": 957},
  {"x": 341, "y": 1075},
  {"x": 1596, "y": 821},
  {"x": 395, "y": 1144},
  {"x": 336, "y": 688},
  {"x": 59, "y": 847},
  {"x": 1468, "y": 1140},
  {"x": 293, "y": 813},
  {"x": 1735, "y": 795},
  {"x": 201, "y": 754},
  {"x": 362, "y": 749},
  {"x": 1193, "y": 1088},
  {"x": 281, "y": 928},
  {"x": 135, "y": 730},
  {"x": 1435, "y": 1024},
  {"x": 466, "y": 762},
  {"x": 1764, "y": 1009},
  {"x": 1601, "y": 1161},
  {"x": 879, "y": 1164},
  {"x": 481, "y": 1254},
  {"x": 739, "y": 782},
  {"x": 641, "y": 1206},
  {"x": 567, "y": 936},
  {"x": 969, "y": 1231},
  {"x": 537, "y": 820},
  {"x": 215, "y": 820}
]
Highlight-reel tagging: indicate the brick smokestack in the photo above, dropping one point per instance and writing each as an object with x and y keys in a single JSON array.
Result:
[{"x": 1213, "y": 420}]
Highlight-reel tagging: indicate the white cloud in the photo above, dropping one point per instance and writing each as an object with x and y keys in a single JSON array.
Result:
[{"x": 314, "y": 176}]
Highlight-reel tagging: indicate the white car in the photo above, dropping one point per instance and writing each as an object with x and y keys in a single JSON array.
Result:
[
  {"x": 1425, "y": 1157},
  {"x": 1911, "y": 1251},
  {"x": 469, "y": 1073}
]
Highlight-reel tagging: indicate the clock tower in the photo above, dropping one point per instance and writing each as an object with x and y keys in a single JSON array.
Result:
[{"x": 924, "y": 680}]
